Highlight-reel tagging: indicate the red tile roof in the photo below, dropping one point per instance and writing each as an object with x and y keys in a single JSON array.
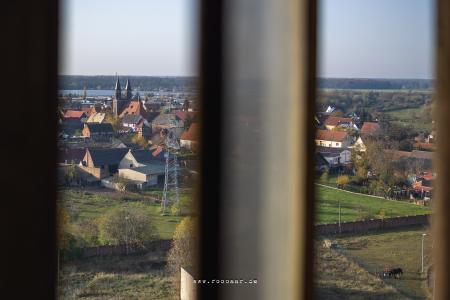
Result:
[
  {"x": 334, "y": 121},
  {"x": 370, "y": 128},
  {"x": 413, "y": 154},
  {"x": 133, "y": 108},
  {"x": 74, "y": 114},
  {"x": 183, "y": 115},
  {"x": 331, "y": 135},
  {"x": 158, "y": 150},
  {"x": 191, "y": 134}
]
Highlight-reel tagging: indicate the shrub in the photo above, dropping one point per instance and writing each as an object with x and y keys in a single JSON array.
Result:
[{"x": 126, "y": 225}]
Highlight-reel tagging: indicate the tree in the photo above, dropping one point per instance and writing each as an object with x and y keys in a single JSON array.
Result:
[
  {"x": 324, "y": 177},
  {"x": 382, "y": 214},
  {"x": 141, "y": 141},
  {"x": 182, "y": 253},
  {"x": 122, "y": 183},
  {"x": 115, "y": 122},
  {"x": 126, "y": 225},
  {"x": 342, "y": 180}
]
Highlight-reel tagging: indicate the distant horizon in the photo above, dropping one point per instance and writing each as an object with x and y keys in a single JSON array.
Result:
[{"x": 322, "y": 77}]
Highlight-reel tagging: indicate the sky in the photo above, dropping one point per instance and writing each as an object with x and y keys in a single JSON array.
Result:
[
  {"x": 132, "y": 37},
  {"x": 357, "y": 38},
  {"x": 376, "y": 38}
]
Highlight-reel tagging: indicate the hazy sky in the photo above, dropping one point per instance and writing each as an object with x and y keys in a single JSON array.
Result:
[
  {"x": 357, "y": 38},
  {"x": 134, "y": 37},
  {"x": 376, "y": 38}
]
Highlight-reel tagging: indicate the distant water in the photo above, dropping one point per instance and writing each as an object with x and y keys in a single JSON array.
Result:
[{"x": 110, "y": 93}]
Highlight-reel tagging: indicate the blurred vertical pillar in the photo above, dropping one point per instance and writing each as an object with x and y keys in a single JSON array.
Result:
[
  {"x": 263, "y": 205},
  {"x": 441, "y": 205},
  {"x": 28, "y": 152}
]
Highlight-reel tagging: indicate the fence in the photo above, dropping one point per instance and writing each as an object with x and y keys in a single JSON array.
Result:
[{"x": 372, "y": 225}]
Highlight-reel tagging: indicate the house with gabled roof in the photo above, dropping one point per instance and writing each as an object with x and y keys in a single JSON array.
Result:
[
  {"x": 189, "y": 138},
  {"x": 370, "y": 129},
  {"x": 102, "y": 162},
  {"x": 96, "y": 117},
  {"x": 140, "y": 157},
  {"x": 143, "y": 167},
  {"x": 185, "y": 115},
  {"x": 75, "y": 115},
  {"x": 335, "y": 156},
  {"x": 133, "y": 121},
  {"x": 333, "y": 122},
  {"x": 98, "y": 131},
  {"x": 332, "y": 138}
]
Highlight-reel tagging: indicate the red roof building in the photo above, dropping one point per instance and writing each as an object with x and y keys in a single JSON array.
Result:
[
  {"x": 370, "y": 128},
  {"x": 75, "y": 114},
  {"x": 336, "y": 121}
]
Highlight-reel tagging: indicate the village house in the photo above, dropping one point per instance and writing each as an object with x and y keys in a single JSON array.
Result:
[
  {"x": 102, "y": 163},
  {"x": 138, "y": 158},
  {"x": 332, "y": 138},
  {"x": 143, "y": 167},
  {"x": 166, "y": 121},
  {"x": 185, "y": 115},
  {"x": 189, "y": 138},
  {"x": 145, "y": 176},
  {"x": 96, "y": 117},
  {"x": 133, "y": 121},
  {"x": 359, "y": 145},
  {"x": 370, "y": 129},
  {"x": 144, "y": 130},
  {"x": 71, "y": 156},
  {"x": 103, "y": 132},
  {"x": 332, "y": 122},
  {"x": 74, "y": 115},
  {"x": 335, "y": 156}
]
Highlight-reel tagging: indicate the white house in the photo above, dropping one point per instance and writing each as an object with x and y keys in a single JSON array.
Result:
[
  {"x": 335, "y": 156},
  {"x": 144, "y": 176},
  {"x": 332, "y": 138}
]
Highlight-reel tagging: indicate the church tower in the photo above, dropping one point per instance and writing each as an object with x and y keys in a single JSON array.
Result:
[
  {"x": 128, "y": 93},
  {"x": 117, "y": 90},
  {"x": 117, "y": 97}
]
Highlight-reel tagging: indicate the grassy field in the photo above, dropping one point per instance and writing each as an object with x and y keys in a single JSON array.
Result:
[
  {"x": 116, "y": 277},
  {"x": 92, "y": 203},
  {"x": 401, "y": 248},
  {"x": 340, "y": 278},
  {"x": 408, "y": 117},
  {"x": 354, "y": 207}
]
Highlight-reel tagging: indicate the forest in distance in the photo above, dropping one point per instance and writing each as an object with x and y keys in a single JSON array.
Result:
[{"x": 147, "y": 83}]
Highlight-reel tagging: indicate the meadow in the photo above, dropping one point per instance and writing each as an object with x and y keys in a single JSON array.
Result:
[
  {"x": 92, "y": 203},
  {"x": 357, "y": 206},
  {"x": 398, "y": 248}
]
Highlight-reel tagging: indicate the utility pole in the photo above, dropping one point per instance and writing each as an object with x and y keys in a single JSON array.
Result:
[
  {"x": 166, "y": 183},
  {"x": 423, "y": 237}
]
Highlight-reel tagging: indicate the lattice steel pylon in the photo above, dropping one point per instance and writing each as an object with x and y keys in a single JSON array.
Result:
[{"x": 171, "y": 173}]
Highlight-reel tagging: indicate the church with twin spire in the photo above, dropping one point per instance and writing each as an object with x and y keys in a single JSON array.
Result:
[{"x": 121, "y": 100}]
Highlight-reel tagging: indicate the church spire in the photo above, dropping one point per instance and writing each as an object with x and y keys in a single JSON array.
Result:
[
  {"x": 117, "y": 89},
  {"x": 128, "y": 93}
]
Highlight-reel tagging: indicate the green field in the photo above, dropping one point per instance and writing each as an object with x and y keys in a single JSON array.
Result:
[
  {"x": 400, "y": 248},
  {"x": 337, "y": 277},
  {"x": 407, "y": 117},
  {"x": 91, "y": 204},
  {"x": 356, "y": 206}
]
